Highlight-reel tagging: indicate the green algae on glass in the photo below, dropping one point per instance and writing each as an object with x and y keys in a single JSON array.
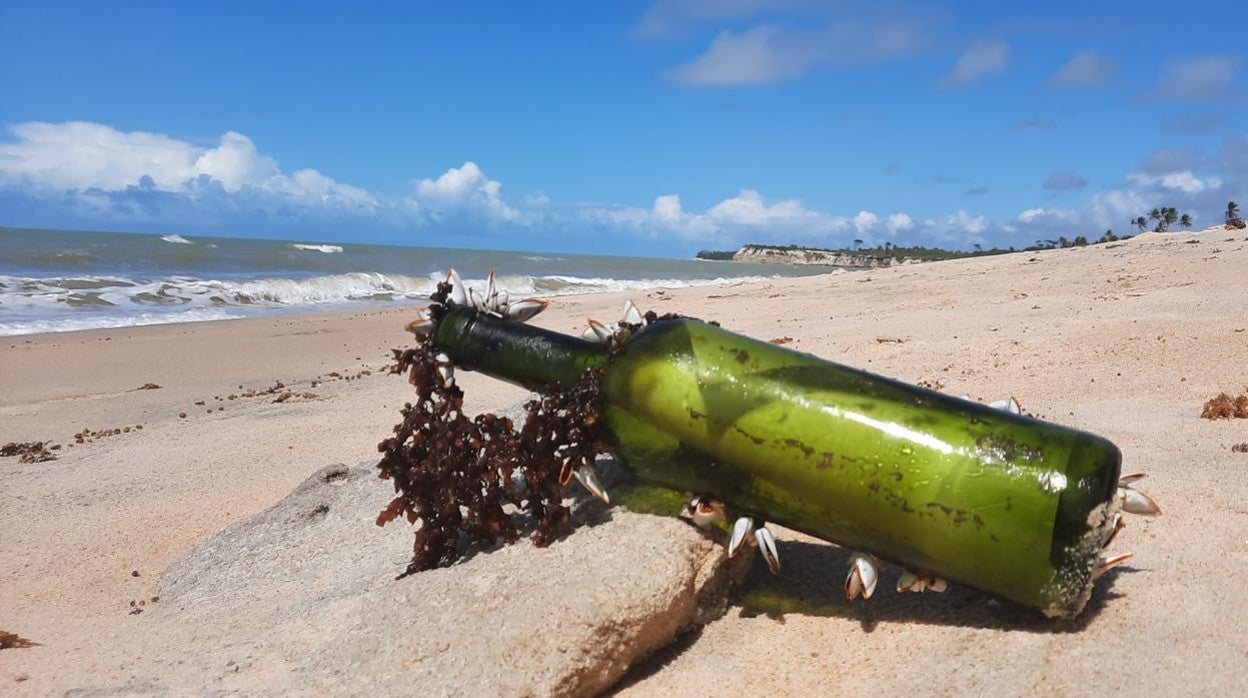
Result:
[{"x": 649, "y": 499}]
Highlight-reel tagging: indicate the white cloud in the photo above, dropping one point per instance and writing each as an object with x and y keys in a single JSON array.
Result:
[
  {"x": 1197, "y": 78},
  {"x": 1030, "y": 214},
  {"x": 964, "y": 222},
  {"x": 80, "y": 155},
  {"x": 465, "y": 189},
  {"x": 981, "y": 59},
  {"x": 1085, "y": 69},
  {"x": 767, "y": 53},
  {"x": 104, "y": 176},
  {"x": 1033, "y": 215},
  {"x": 865, "y": 221},
  {"x": 536, "y": 199},
  {"x": 1184, "y": 181},
  {"x": 746, "y": 214},
  {"x": 899, "y": 223},
  {"x": 748, "y": 209}
]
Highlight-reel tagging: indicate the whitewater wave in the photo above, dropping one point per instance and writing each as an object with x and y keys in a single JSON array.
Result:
[
  {"x": 59, "y": 304},
  {"x": 176, "y": 239},
  {"x": 94, "y": 322},
  {"x": 328, "y": 249}
]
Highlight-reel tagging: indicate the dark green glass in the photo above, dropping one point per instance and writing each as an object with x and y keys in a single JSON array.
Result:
[{"x": 1004, "y": 503}]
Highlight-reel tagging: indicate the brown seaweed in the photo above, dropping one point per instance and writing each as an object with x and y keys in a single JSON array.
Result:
[
  {"x": 457, "y": 476},
  {"x": 30, "y": 452},
  {"x": 1224, "y": 406},
  {"x": 10, "y": 641}
]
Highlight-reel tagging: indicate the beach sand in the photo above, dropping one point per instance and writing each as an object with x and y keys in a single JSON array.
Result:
[{"x": 1127, "y": 340}]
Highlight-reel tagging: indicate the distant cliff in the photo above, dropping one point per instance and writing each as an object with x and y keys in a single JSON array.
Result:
[{"x": 798, "y": 255}]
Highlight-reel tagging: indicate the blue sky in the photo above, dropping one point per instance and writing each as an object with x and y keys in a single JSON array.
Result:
[{"x": 635, "y": 127}]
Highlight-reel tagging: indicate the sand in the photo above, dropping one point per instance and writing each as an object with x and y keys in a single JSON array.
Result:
[{"x": 1127, "y": 340}]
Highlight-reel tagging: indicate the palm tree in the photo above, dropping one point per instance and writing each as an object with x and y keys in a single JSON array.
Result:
[
  {"x": 1185, "y": 220},
  {"x": 857, "y": 244},
  {"x": 1232, "y": 211},
  {"x": 1140, "y": 223}
]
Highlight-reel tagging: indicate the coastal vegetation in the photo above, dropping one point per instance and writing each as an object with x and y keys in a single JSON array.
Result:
[
  {"x": 1162, "y": 218},
  {"x": 885, "y": 250},
  {"x": 1232, "y": 216}
]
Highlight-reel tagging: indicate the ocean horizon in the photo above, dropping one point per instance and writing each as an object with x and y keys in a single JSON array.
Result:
[{"x": 67, "y": 280}]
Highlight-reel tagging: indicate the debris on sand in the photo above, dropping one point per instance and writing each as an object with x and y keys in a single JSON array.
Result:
[
  {"x": 782, "y": 340},
  {"x": 30, "y": 452},
  {"x": 1226, "y": 407},
  {"x": 1240, "y": 448},
  {"x": 147, "y": 386},
  {"x": 10, "y": 641}
]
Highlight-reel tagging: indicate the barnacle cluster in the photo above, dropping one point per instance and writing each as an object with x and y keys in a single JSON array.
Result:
[{"x": 463, "y": 479}]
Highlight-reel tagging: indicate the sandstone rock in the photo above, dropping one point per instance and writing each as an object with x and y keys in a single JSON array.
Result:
[{"x": 303, "y": 597}]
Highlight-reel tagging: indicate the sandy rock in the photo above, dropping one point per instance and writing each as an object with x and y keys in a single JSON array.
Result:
[{"x": 303, "y": 596}]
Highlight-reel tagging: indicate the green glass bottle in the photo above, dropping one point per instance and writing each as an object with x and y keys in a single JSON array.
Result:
[{"x": 1008, "y": 504}]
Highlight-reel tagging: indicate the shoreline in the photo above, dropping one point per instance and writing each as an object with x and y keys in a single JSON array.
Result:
[{"x": 1126, "y": 341}]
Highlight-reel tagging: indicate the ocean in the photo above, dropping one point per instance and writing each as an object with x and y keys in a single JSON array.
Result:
[{"x": 60, "y": 281}]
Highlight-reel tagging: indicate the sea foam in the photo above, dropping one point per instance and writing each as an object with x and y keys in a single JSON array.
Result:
[
  {"x": 65, "y": 303},
  {"x": 317, "y": 248}
]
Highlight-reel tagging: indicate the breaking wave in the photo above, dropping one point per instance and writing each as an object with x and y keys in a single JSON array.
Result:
[
  {"x": 178, "y": 239},
  {"x": 104, "y": 321},
  {"x": 61, "y": 304},
  {"x": 317, "y": 248}
]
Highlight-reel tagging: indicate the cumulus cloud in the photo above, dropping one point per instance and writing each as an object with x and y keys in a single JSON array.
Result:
[
  {"x": 748, "y": 213},
  {"x": 964, "y": 221},
  {"x": 104, "y": 172},
  {"x": 768, "y": 53},
  {"x": 80, "y": 155},
  {"x": 1184, "y": 181},
  {"x": 1064, "y": 181},
  {"x": 865, "y": 221},
  {"x": 464, "y": 190},
  {"x": 898, "y": 223},
  {"x": 1197, "y": 78},
  {"x": 1173, "y": 170},
  {"x": 97, "y": 174},
  {"x": 106, "y": 176},
  {"x": 981, "y": 59},
  {"x": 536, "y": 199},
  {"x": 1085, "y": 69}
]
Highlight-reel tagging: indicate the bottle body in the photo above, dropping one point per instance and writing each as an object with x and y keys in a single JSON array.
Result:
[
  {"x": 1007, "y": 504},
  {"x": 994, "y": 500}
]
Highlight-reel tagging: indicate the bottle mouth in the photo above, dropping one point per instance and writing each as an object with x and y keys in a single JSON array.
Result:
[{"x": 1083, "y": 522}]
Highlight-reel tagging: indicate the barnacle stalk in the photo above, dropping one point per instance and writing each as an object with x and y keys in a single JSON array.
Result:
[{"x": 971, "y": 493}]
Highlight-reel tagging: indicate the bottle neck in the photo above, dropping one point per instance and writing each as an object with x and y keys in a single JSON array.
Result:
[{"x": 528, "y": 356}]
